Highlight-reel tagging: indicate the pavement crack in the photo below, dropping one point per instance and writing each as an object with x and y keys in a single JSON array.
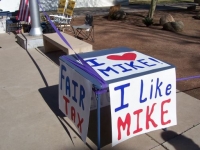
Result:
[{"x": 160, "y": 144}]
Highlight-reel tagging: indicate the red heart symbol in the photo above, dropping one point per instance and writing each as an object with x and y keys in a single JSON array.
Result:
[{"x": 126, "y": 56}]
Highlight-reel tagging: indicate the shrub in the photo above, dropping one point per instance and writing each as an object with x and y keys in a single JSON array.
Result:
[{"x": 147, "y": 21}]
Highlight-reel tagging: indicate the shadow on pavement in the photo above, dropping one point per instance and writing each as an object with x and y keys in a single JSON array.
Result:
[
  {"x": 179, "y": 141},
  {"x": 50, "y": 96},
  {"x": 53, "y": 56}
]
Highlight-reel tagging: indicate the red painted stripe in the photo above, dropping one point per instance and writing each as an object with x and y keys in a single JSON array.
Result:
[
  {"x": 24, "y": 13},
  {"x": 20, "y": 9},
  {"x": 23, "y": 10}
]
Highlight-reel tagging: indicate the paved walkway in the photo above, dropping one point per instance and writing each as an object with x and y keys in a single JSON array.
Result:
[
  {"x": 30, "y": 118},
  {"x": 78, "y": 12},
  {"x": 130, "y": 8}
]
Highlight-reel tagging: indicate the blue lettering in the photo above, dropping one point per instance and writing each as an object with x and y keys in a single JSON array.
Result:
[
  {"x": 168, "y": 89},
  {"x": 62, "y": 76},
  {"x": 67, "y": 86},
  {"x": 121, "y": 87},
  {"x": 107, "y": 69},
  {"x": 133, "y": 66},
  {"x": 154, "y": 89},
  {"x": 141, "y": 93},
  {"x": 75, "y": 85},
  {"x": 154, "y": 60},
  {"x": 145, "y": 63},
  {"x": 95, "y": 64},
  {"x": 120, "y": 65},
  {"x": 158, "y": 88},
  {"x": 82, "y": 96},
  {"x": 151, "y": 91}
]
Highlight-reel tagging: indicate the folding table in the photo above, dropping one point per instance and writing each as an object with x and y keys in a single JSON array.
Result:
[{"x": 96, "y": 85}]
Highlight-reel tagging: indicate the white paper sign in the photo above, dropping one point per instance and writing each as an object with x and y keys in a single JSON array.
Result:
[
  {"x": 123, "y": 64},
  {"x": 143, "y": 104},
  {"x": 75, "y": 94}
]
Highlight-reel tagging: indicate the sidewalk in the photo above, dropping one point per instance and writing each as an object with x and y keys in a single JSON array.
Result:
[
  {"x": 30, "y": 118},
  {"x": 130, "y": 8},
  {"x": 80, "y": 12}
]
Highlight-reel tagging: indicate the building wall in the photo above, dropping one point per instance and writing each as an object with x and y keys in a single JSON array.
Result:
[
  {"x": 53, "y": 4},
  {"x": 13, "y": 5},
  {"x": 9, "y": 5}
]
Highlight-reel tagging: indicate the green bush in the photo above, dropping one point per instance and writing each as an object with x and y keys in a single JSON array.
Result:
[{"x": 147, "y": 21}]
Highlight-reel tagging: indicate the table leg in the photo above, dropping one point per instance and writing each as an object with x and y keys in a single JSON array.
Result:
[{"x": 98, "y": 120}]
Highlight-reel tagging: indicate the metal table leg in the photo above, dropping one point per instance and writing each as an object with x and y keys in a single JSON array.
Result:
[{"x": 98, "y": 120}]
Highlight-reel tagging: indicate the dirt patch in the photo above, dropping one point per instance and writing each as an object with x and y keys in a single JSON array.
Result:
[{"x": 180, "y": 49}]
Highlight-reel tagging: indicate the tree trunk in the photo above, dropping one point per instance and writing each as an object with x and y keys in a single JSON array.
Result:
[{"x": 152, "y": 8}]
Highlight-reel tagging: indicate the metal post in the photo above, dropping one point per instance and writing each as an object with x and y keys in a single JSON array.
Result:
[
  {"x": 98, "y": 120},
  {"x": 36, "y": 29}
]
